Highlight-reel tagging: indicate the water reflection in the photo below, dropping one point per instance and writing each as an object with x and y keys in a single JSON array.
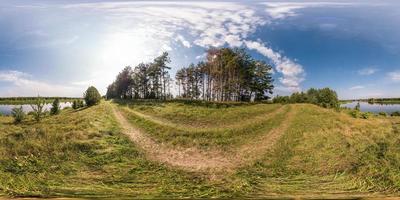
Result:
[
  {"x": 6, "y": 109},
  {"x": 373, "y": 107}
]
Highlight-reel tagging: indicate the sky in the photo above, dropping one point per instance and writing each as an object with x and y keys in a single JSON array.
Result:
[{"x": 59, "y": 48}]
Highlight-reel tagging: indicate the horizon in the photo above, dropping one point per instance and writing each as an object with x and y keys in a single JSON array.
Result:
[{"x": 61, "y": 48}]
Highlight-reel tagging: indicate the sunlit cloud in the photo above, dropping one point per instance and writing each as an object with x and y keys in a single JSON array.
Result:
[
  {"x": 206, "y": 24},
  {"x": 282, "y": 10}
]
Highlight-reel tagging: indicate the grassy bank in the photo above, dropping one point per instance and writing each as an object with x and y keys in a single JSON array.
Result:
[{"x": 84, "y": 153}]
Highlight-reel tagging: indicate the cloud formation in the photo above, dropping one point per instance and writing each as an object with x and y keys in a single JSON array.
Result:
[
  {"x": 24, "y": 84},
  {"x": 203, "y": 24}
]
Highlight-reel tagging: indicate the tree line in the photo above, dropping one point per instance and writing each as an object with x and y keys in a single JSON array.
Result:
[
  {"x": 325, "y": 97},
  {"x": 226, "y": 75},
  {"x": 144, "y": 81}
]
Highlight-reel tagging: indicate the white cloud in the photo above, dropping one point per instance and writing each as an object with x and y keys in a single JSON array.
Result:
[
  {"x": 202, "y": 56},
  {"x": 23, "y": 84},
  {"x": 357, "y": 87},
  {"x": 184, "y": 42},
  {"x": 367, "y": 71},
  {"x": 209, "y": 24},
  {"x": 394, "y": 76},
  {"x": 282, "y": 10},
  {"x": 293, "y": 73}
]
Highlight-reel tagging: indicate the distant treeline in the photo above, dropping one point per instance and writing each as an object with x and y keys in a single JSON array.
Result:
[
  {"x": 23, "y": 100},
  {"x": 325, "y": 97},
  {"x": 375, "y": 100},
  {"x": 226, "y": 75}
]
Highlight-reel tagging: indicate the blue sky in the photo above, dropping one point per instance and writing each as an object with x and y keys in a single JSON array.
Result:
[{"x": 59, "y": 48}]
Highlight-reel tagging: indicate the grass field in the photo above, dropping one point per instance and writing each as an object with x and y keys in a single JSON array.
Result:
[{"x": 85, "y": 153}]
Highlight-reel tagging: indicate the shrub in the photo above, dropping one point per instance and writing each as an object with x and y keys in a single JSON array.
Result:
[
  {"x": 382, "y": 114},
  {"x": 365, "y": 115},
  {"x": 55, "y": 109},
  {"x": 18, "y": 114},
  {"x": 76, "y": 104},
  {"x": 355, "y": 113},
  {"x": 92, "y": 96},
  {"x": 397, "y": 113},
  {"x": 325, "y": 97},
  {"x": 38, "y": 111}
]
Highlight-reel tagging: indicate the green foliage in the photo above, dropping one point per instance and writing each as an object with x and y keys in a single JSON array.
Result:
[
  {"x": 325, "y": 97},
  {"x": 76, "y": 104},
  {"x": 55, "y": 108},
  {"x": 382, "y": 114},
  {"x": 281, "y": 99},
  {"x": 18, "y": 114},
  {"x": 92, "y": 96},
  {"x": 355, "y": 113},
  {"x": 38, "y": 109},
  {"x": 144, "y": 81},
  {"x": 231, "y": 75},
  {"x": 396, "y": 113},
  {"x": 365, "y": 115}
]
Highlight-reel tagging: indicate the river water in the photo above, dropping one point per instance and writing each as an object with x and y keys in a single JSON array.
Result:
[
  {"x": 374, "y": 108},
  {"x": 6, "y": 109}
]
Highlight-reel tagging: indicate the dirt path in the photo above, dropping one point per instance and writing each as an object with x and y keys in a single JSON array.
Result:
[
  {"x": 193, "y": 129},
  {"x": 194, "y": 159}
]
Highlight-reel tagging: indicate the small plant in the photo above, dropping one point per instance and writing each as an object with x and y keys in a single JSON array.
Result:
[
  {"x": 365, "y": 115},
  {"x": 382, "y": 114},
  {"x": 397, "y": 113},
  {"x": 18, "y": 114},
  {"x": 38, "y": 111},
  {"x": 92, "y": 96},
  {"x": 76, "y": 104},
  {"x": 55, "y": 109},
  {"x": 355, "y": 113}
]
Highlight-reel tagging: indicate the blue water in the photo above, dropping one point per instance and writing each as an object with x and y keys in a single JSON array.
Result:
[
  {"x": 374, "y": 108},
  {"x": 6, "y": 109}
]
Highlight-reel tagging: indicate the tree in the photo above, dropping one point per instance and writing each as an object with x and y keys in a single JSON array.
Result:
[
  {"x": 325, "y": 97},
  {"x": 38, "y": 109},
  {"x": 55, "y": 108},
  {"x": 92, "y": 96},
  {"x": 18, "y": 114},
  {"x": 227, "y": 75}
]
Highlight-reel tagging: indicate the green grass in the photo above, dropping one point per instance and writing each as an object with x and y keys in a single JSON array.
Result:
[
  {"x": 223, "y": 137},
  {"x": 84, "y": 154},
  {"x": 201, "y": 116}
]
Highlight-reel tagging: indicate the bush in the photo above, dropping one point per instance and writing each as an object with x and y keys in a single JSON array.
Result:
[
  {"x": 382, "y": 114},
  {"x": 355, "y": 113},
  {"x": 38, "y": 111},
  {"x": 397, "y": 113},
  {"x": 365, "y": 115},
  {"x": 92, "y": 96},
  {"x": 55, "y": 109},
  {"x": 76, "y": 104},
  {"x": 325, "y": 97},
  {"x": 18, "y": 114}
]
